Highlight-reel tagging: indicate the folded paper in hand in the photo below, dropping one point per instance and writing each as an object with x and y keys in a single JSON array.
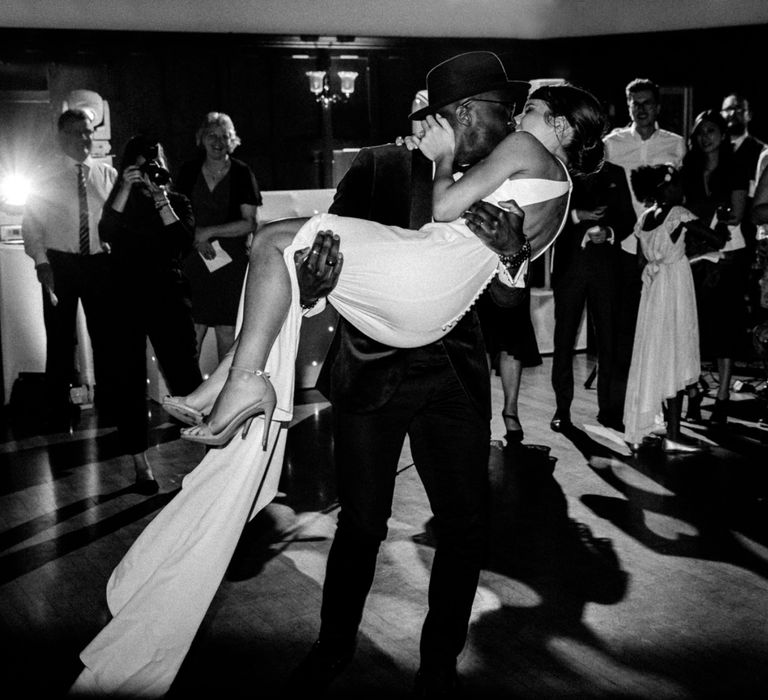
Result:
[{"x": 222, "y": 258}]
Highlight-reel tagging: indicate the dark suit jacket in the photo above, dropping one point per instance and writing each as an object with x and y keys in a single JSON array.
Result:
[
  {"x": 393, "y": 186},
  {"x": 747, "y": 154},
  {"x": 608, "y": 186},
  {"x": 745, "y": 157}
]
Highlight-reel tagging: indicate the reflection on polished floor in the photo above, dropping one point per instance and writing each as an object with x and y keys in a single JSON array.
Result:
[{"x": 611, "y": 574}]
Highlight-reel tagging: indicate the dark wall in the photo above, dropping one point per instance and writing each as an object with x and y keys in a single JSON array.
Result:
[{"x": 165, "y": 82}]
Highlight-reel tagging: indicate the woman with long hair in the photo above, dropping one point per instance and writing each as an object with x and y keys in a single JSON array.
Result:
[{"x": 716, "y": 193}]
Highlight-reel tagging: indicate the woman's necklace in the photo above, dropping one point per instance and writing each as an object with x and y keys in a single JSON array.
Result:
[{"x": 215, "y": 174}]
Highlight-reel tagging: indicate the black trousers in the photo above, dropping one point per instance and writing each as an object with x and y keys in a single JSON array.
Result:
[
  {"x": 629, "y": 288},
  {"x": 591, "y": 279},
  {"x": 158, "y": 309},
  {"x": 88, "y": 279},
  {"x": 450, "y": 446}
]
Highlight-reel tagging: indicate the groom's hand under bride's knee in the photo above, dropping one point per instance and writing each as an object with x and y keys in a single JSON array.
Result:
[{"x": 318, "y": 267}]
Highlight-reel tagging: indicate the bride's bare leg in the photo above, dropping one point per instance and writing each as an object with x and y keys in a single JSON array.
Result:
[{"x": 267, "y": 300}]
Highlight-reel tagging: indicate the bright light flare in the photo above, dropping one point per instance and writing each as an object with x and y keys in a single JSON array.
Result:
[{"x": 14, "y": 190}]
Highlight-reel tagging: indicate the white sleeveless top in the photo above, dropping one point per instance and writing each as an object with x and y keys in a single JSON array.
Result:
[{"x": 408, "y": 288}]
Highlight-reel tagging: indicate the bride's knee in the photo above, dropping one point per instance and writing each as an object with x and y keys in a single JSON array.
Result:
[{"x": 275, "y": 235}]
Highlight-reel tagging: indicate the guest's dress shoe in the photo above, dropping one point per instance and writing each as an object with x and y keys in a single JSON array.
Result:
[
  {"x": 436, "y": 683},
  {"x": 560, "y": 422},
  {"x": 668, "y": 445},
  {"x": 611, "y": 421},
  {"x": 719, "y": 415},
  {"x": 146, "y": 487},
  {"x": 320, "y": 667}
]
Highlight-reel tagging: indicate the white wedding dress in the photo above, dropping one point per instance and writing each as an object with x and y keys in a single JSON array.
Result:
[{"x": 393, "y": 291}]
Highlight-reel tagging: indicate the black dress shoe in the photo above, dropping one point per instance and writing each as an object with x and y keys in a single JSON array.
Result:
[
  {"x": 146, "y": 487},
  {"x": 610, "y": 421},
  {"x": 560, "y": 422},
  {"x": 719, "y": 415},
  {"x": 320, "y": 667},
  {"x": 668, "y": 445},
  {"x": 442, "y": 683}
]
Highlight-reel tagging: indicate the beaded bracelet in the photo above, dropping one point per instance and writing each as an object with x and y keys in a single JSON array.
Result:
[
  {"x": 513, "y": 262},
  {"x": 307, "y": 305}
]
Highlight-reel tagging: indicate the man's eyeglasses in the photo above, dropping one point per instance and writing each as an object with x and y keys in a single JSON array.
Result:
[{"x": 509, "y": 105}]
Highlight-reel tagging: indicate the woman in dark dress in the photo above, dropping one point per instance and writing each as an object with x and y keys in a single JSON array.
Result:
[
  {"x": 510, "y": 342},
  {"x": 716, "y": 192},
  {"x": 225, "y": 197},
  {"x": 149, "y": 228}
]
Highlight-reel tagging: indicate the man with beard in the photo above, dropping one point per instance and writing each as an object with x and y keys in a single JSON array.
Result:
[{"x": 437, "y": 395}]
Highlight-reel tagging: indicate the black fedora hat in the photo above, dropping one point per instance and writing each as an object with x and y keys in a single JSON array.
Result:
[{"x": 466, "y": 75}]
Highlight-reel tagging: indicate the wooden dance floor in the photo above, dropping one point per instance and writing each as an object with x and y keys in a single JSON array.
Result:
[{"x": 610, "y": 575}]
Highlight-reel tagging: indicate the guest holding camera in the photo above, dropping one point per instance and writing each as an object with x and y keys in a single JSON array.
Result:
[
  {"x": 225, "y": 198},
  {"x": 716, "y": 192},
  {"x": 150, "y": 229}
]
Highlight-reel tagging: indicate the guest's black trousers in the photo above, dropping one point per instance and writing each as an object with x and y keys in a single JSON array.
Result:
[{"x": 87, "y": 279}]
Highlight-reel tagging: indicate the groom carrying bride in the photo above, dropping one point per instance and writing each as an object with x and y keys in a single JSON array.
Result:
[{"x": 438, "y": 395}]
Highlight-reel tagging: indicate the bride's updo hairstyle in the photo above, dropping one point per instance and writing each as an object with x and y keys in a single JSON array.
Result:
[{"x": 584, "y": 113}]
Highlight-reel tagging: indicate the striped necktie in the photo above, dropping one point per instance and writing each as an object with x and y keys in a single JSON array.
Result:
[{"x": 85, "y": 230}]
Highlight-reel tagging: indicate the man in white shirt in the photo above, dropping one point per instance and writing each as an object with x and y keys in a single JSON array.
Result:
[
  {"x": 60, "y": 231},
  {"x": 643, "y": 142},
  {"x": 640, "y": 143},
  {"x": 746, "y": 148}
]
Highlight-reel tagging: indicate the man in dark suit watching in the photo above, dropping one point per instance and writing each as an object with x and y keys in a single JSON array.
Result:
[
  {"x": 585, "y": 271},
  {"x": 746, "y": 153},
  {"x": 438, "y": 395}
]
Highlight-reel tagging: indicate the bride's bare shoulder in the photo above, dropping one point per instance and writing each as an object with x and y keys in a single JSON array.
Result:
[{"x": 530, "y": 156}]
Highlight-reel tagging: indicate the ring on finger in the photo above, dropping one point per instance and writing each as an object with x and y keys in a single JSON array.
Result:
[{"x": 331, "y": 261}]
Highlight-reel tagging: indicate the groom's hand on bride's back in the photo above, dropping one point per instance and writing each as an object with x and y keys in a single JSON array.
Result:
[
  {"x": 500, "y": 229},
  {"x": 318, "y": 267}
]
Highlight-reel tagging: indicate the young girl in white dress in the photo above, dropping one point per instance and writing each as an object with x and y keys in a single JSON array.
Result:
[
  {"x": 408, "y": 288},
  {"x": 665, "y": 355}
]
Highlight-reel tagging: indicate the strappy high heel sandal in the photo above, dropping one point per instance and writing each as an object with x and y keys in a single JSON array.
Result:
[
  {"x": 266, "y": 405},
  {"x": 176, "y": 406}
]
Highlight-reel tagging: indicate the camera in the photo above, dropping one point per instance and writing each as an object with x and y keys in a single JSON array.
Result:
[{"x": 156, "y": 173}]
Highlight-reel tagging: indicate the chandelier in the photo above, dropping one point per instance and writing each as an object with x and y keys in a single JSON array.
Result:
[{"x": 319, "y": 87}]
